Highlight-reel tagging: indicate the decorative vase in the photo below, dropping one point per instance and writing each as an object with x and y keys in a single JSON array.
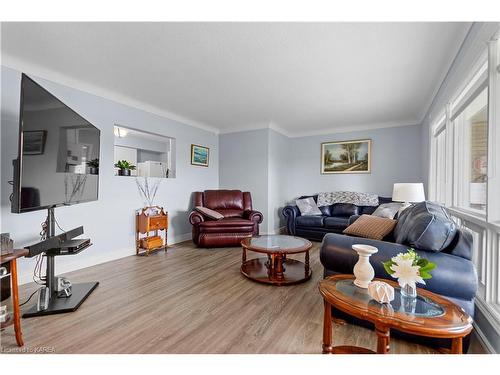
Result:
[
  {"x": 124, "y": 172},
  {"x": 409, "y": 291},
  {"x": 363, "y": 270}
]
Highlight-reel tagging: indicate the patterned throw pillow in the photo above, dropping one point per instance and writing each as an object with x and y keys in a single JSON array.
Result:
[
  {"x": 369, "y": 226},
  {"x": 388, "y": 210},
  {"x": 307, "y": 207},
  {"x": 209, "y": 213}
]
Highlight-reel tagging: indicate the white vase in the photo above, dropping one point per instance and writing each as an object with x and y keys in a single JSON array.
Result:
[{"x": 363, "y": 270}]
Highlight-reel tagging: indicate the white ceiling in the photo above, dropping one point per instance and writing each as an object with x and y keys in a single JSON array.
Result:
[{"x": 302, "y": 78}]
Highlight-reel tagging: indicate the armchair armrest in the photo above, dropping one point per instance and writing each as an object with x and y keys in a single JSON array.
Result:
[
  {"x": 290, "y": 213},
  {"x": 255, "y": 216},
  {"x": 195, "y": 218}
]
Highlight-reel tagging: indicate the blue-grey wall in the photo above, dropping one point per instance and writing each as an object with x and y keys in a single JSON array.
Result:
[
  {"x": 396, "y": 157},
  {"x": 243, "y": 165},
  {"x": 109, "y": 222},
  {"x": 277, "y": 169}
]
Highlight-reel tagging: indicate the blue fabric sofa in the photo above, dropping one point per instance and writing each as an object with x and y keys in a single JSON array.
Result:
[
  {"x": 335, "y": 218},
  {"x": 428, "y": 229}
]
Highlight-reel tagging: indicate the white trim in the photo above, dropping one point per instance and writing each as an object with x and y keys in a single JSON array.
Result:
[
  {"x": 493, "y": 319},
  {"x": 333, "y": 130},
  {"x": 483, "y": 340},
  {"x": 50, "y": 75}
]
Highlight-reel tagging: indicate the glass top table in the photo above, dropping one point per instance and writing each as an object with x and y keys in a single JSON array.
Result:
[
  {"x": 276, "y": 267},
  {"x": 428, "y": 314},
  {"x": 277, "y": 243},
  {"x": 419, "y": 306}
]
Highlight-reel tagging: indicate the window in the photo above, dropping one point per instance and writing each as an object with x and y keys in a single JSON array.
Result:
[{"x": 471, "y": 155}]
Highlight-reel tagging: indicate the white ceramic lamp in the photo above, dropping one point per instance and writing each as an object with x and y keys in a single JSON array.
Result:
[{"x": 408, "y": 193}]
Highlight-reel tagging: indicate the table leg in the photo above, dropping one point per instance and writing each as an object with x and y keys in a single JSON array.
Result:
[
  {"x": 307, "y": 263},
  {"x": 15, "y": 303},
  {"x": 244, "y": 256},
  {"x": 383, "y": 339},
  {"x": 456, "y": 345},
  {"x": 279, "y": 267},
  {"x": 327, "y": 328}
]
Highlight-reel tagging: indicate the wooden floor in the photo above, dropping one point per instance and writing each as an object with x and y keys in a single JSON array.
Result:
[{"x": 190, "y": 301}]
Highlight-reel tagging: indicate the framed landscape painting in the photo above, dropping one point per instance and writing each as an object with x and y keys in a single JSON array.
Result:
[
  {"x": 199, "y": 155},
  {"x": 346, "y": 157}
]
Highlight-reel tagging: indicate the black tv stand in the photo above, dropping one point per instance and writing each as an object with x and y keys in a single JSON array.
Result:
[{"x": 79, "y": 292}]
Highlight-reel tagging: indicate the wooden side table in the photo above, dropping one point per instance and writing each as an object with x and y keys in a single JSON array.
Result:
[
  {"x": 16, "y": 320},
  {"x": 150, "y": 226},
  {"x": 427, "y": 315}
]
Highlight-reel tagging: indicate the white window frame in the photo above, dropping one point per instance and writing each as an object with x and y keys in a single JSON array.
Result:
[{"x": 486, "y": 227}]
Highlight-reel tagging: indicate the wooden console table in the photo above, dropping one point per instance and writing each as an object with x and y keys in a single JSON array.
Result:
[
  {"x": 16, "y": 319},
  {"x": 150, "y": 226}
]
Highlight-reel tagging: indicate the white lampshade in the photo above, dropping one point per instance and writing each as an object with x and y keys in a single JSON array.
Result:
[{"x": 406, "y": 192}]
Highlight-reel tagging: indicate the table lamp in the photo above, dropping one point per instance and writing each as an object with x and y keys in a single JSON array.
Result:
[{"x": 408, "y": 193}]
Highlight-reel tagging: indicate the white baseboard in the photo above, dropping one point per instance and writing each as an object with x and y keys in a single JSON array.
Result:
[{"x": 75, "y": 263}]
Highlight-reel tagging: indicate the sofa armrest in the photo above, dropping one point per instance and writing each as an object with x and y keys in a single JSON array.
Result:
[
  {"x": 291, "y": 213},
  {"x": 255, "y": 216},
  {"x": 196, "y": 217},
  {"x": 453, "y": 276}
]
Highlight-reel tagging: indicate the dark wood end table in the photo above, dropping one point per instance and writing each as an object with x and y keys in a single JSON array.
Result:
[
  {"x": 16, "y": 319},
  {"x": 276, "y": 268},
  {"x": 427, "y": 315}
]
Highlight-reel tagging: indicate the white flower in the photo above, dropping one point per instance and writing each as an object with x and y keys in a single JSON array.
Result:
[
  {"x": 406, "y": 273},
  {"x": 402, "y": 257}
]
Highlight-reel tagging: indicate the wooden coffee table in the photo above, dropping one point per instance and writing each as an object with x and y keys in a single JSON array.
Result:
[
  {"x": 276, "y": 268},
  {"x": 427, "y": 315}
]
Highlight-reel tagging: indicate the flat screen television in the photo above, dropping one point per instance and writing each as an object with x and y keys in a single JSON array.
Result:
[{"x": 58, "y": 153}]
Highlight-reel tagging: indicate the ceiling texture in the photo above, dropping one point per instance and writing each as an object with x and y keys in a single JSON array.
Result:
[{"x": 299, "y": 78}]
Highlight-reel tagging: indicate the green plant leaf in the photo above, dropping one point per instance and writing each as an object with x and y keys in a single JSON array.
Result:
[
  {"x": 425, "y": 275},
  {"x": 387, "y": 266}
]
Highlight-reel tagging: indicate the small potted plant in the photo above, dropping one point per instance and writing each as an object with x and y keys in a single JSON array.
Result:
[
  {"x": 93, "y": 166},
  {"x": 124, "y": 167},
  {"x": 409, "y": 268}
]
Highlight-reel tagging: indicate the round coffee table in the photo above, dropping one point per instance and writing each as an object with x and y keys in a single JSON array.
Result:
[
  {"x": 426, "y": 315},
  {"x": 276, "y": 268}
]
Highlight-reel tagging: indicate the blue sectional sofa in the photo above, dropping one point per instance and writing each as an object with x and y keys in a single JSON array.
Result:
[
  {"x": 428, "y": 229},
  {"x": 335, "y": 218}
]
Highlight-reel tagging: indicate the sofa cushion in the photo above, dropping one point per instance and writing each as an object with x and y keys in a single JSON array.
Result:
[
  {"x": 425, "y": 226},
  {"x": 209, "y": 213},
  {"x": 308, "y": 207},
  {"x": 388, "y": 210},
  {"x": 310, "y": 221},
  {"x": 373, "y": 227},
  {"x": 344, "y": 209},
  {"x": 223, "y": 199},
  {"x": 229, "y": 212},
  {"x": 336, "y": 222},
  {"x": 227, "y": 225},
  {"x": 326, "y": 210}
]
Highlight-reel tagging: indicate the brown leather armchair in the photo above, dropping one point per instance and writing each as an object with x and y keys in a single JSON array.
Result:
[{"x": 240, "y": 220}]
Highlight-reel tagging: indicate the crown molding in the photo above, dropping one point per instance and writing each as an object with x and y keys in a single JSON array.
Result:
[{"x": 12, "y": 62}]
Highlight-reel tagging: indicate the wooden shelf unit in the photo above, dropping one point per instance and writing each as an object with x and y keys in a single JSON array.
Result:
[{"x": 149, "y": 226}]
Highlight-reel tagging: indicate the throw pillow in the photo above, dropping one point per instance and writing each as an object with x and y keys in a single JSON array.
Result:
[
  {"x": 307, "y": 207},
  {"x": 369, "y": 226},
  {"x": 388, "y": 210},
  {"x": 209, "y": 213}
]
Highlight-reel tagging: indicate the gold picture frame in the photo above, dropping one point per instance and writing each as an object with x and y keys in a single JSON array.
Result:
[
  {"x": 353, "y": 156},
  {"x": 200, "y": 155}
]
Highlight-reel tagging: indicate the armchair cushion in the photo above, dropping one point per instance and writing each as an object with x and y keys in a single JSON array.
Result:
[{"x": 209, "y": 213}]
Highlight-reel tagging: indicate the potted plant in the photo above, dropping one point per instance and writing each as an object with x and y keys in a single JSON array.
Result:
[
  {"x": 124, "y": 167},
  {"x": 93, "y": 166}
]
